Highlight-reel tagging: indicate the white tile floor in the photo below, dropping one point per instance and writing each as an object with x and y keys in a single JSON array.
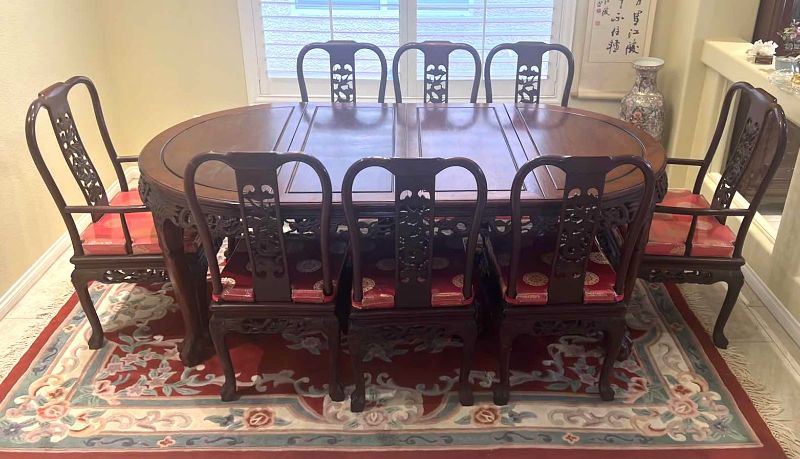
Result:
[{"x": 772, "y": 356}]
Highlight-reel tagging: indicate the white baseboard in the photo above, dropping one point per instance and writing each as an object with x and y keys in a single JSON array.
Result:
[
  {"x": 37, "y": 270},
  {"x": 786, "y": 319}
]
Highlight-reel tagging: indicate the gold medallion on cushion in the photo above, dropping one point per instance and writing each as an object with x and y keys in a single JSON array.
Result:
[
  {"x": 367, "y": 284},
  {"x": 439, "y": 263},
  {"x": 535, "y": 279},
  {"x": 228, "y": 282},
  {"x": 318, "y": 284},
  {"x": 309, "y": 266},
  {"x": 591, "y": 278},
  {"x": 598, "y": 258},
  {"x": 458, "y": 281}
]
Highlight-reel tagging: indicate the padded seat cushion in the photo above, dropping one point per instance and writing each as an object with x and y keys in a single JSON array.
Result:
[
  {"x": 668, "y": 232},
  {"x": 305, "y": 272},
  {"x": 105, "y": 236},
  {"x": 535, "y": 267},
  {"x": 447, "y": 271}
]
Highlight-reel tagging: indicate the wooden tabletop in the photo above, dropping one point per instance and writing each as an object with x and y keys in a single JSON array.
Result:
[{"x": 499, "y": 137}]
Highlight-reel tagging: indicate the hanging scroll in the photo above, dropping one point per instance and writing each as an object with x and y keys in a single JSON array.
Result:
[{"x": 617, "y": 33}]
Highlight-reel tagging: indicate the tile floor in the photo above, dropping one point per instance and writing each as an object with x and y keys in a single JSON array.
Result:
[{"x": 772, "y": 356}]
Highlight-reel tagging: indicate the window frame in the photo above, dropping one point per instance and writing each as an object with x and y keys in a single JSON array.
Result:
[{"x": 262, "y": 89}]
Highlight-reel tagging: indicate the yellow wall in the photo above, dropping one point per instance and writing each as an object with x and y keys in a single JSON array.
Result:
[
  {"x": 42, "y": 42},
  {"x": 170, "y": 60},
  {"x": 680, "y": 29}
]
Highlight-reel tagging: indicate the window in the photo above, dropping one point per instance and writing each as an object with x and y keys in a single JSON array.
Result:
[{"x": 273, "y": 31}]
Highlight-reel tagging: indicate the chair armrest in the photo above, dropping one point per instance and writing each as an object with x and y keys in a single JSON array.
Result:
[
  {"x": 127, "y": 159},
  {"x": 105, "y": 209},
  {"x": 701, "y": 212},
  {"x": 686, "y": 161}
]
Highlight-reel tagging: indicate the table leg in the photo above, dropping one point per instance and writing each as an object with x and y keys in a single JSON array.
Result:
[{"x": 184, "y": 278}]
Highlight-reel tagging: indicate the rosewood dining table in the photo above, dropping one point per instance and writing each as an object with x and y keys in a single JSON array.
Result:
[{"x": 499, "y": 137}]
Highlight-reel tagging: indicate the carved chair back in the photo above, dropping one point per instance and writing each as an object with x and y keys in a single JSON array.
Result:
[
  {"x": 414, "y": 224},
  {"x": 256, "y": 177},
  {"x": 579, "y": 222},
  {"x": 436, "y": 69},
  {"x": 342, "y": 54},
  {"x": 54, "y": 100},
  {"x": 529, "y": 70},
  {"x": 756, "y": 150}
]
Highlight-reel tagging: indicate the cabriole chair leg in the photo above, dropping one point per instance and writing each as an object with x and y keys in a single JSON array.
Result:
[
  {"x": 80, "y": 281},
  {"x": 331, "y": 327},
  {"x": 468, "y": 336},
  {"x": 502, "y": 390},
  {"x": 358, "y": 397},
  {"x": 217, "y": 328},
  {"x": 734, "y": 287},
  {"x": 615, "y": 334}
]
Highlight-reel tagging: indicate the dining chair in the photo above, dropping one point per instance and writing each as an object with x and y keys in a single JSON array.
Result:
[
  {"x": 342, "y": 55},
  {"x": 528, "y": 78},
  {"x": 562, "y": 282},
  {"x": 272, "y": 282},
  {"x": 120, "y": 244},
  {"x": 419, "y": 278},
  {"x": 436, "y": 69},
  {"x": 689, "y": 241}
]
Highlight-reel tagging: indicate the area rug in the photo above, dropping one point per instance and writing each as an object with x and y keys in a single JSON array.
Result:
[{"x": 675, "y": 396}]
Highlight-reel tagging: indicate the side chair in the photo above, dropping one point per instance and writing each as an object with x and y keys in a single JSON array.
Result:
[
  {"x": 564, "y": 283},
  {"x": 436, "y": 69},
  {"x": 528, "y": 78},
  {"x": 342, "y": 55},
  {"x": 419, "y": 277},
  {"x": 272, "y": 281}
]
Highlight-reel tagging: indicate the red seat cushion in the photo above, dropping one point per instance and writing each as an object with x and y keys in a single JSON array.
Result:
[
  {"x": 668, "y": 232},
  {"x": 105, "y": 236},
  {"x": 447, "y": 272},
  {"x": 535, "y": 267},
  {"x": 305, "y": 272}
]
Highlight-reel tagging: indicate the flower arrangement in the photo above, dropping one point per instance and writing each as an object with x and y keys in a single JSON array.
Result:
[
  {"x": 791, "y": 38},
  {"x": 761, "y": 52}
]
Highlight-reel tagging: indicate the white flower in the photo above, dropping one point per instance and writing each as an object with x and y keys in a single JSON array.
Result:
[{"x": 760, "y": 48}]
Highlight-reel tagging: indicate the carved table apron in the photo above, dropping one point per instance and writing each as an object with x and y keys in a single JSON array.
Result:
[{"x": 499, "y": 137}]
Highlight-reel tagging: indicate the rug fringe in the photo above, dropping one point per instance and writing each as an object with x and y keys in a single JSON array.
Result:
[
  {"x": 766, "y": 405},
  {"x": 13, "y": 351}
]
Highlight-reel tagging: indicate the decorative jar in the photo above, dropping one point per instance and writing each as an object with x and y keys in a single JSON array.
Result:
[{"x": 643, "y": 106}]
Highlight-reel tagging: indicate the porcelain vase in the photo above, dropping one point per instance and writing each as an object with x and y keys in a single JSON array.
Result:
[{"x": 643, "y": 106}]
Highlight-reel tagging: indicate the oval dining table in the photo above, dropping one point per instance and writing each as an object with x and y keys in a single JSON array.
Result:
[{"x": 499, "y": 137}]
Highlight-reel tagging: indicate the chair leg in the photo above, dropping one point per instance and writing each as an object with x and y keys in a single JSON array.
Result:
[
  {"x": 615, "y": 334},
  {"x": 626, "y": 349},
  {"x": 80, "y": 280},
  {"x": 217, "y": 328},
  {"x": 734, "y": 287},
  {"x": 358, "y": 397},
  {"x": 502, "y": 391},
  {"x": 468, "y": 336},
  {"x": 331, "y": 326}
]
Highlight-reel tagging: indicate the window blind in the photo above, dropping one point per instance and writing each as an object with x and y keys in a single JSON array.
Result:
[{"x": 290, "y": 24}]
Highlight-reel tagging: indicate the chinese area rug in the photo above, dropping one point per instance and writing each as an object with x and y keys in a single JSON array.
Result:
[{"x": 675, "y": 396}]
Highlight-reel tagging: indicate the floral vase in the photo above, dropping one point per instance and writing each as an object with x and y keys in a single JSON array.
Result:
[{"x": 643, "y": 106}]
